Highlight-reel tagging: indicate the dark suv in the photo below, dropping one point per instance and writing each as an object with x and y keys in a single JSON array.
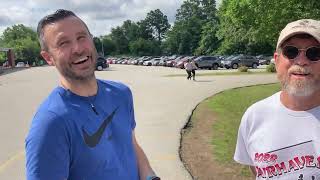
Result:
[
  {"x": 101, "y": 63},
  {"x": 210, "y": 62},
  {"x": 240, "y": 60}
]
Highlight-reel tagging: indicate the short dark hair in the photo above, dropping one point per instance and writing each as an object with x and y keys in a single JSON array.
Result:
[{"x": 51, "y": 18}]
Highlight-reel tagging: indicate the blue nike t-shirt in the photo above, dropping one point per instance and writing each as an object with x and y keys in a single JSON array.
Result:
[{"x": 70, "y": 139}]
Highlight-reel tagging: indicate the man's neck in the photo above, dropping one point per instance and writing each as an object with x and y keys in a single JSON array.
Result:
[
  {"x": 81, "y": 88},
  {"x": 300, "y": 103}
]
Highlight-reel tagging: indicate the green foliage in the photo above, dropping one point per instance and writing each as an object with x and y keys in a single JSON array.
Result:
[
  {"x": 237, "y": 27},
  {"x": 158, "y": 22},
  {"x": 24, "y": 42},
  {"x": 253, "y": 26},
  {"x": 243, "y": 69},
  {"x": 209, "y": 42},
  {"x": 131, "y": 37},
  {"x": 194, "y": 29},
  {"x": 271, "y": 68},
  {"x": 142, "y": 47},
  {"x": 109, "y": 46},
  {"x": 120, "y": 40}
]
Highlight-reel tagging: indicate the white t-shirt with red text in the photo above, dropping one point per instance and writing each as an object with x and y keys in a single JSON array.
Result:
[{"x": 280, "y": 143}]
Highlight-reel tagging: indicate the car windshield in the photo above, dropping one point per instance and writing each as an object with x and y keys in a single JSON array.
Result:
[
  {"x": 230, "y": 57},
  {"x": 236, "y": 57}
]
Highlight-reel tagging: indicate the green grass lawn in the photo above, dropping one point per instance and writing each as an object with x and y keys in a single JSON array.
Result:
[
  {"x": 221, "y": 73},
  {"x": 229, "y": 107}
]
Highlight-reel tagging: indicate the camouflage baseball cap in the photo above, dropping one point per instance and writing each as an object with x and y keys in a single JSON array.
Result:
[{"x": 302, "y": 26}]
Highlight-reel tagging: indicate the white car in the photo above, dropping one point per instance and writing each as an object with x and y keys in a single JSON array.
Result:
[{"x": 20, "y": 64}]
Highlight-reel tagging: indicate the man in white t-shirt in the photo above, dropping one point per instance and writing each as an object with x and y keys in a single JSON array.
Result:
[{"x": 279, "y": 137}]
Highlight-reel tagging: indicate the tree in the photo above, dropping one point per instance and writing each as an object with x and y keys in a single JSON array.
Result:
[
  {"x": 119, "y": 38},
  {"x": 144, "y": 31},
  {"x": 158, "y": 22},
  {"x": 109, "y": 46},
  {"x": 209, "y": 42},
  {"x": 253, "y": 26},
  {"x": 24, "y": 42},
  {"x": 188, "y": 30},
  {"x": 130, "y": 30},
  {"x": 98, "y": 44},
  {"x": 143, "y": 47}
]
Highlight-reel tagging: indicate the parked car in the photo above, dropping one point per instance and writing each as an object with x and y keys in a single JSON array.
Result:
[
  {"x": 101, "y": 63},
  {"x": 209, "y": 62},
  {"x": 240, "y": 60},
  {"x": 264, "y": 60},
  {"x": 173, "y": 62},
  {"x": 20, "y": 64},
  {"x": 181, "y": 62},
  {"x": 5, "y": 64}
]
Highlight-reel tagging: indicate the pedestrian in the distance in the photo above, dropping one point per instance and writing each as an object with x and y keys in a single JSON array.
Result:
[
  {"x": 188, "y": 67},
  {"x": 193, "y": 70}
]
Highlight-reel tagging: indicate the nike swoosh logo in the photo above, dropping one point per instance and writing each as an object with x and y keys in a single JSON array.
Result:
[{"x": 94, "y": 139}]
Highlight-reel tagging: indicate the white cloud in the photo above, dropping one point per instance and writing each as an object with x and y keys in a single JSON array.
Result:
[{"x": 100, "y": 15}]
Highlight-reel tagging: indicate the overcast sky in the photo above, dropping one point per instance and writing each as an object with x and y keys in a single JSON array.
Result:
[{"x": 100, "y": 15}]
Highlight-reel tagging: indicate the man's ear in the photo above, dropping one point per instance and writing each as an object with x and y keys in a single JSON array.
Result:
[
  {"x": 46, "y": 56},
  {"x": 276, "y": 56}
]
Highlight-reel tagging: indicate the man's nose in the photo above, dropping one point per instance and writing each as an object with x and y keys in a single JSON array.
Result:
[
  {"x": 77, "y": 48},
  {"x": 302, "y": 59}
]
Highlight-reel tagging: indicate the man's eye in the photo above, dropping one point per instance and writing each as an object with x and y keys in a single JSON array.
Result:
[
  {"x": 81, "y": 37},
  {"x": 63, "y": 43}
]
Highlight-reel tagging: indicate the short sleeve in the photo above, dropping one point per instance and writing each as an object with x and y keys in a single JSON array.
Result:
[
  {"x": 241, "y": 154},
  {"x": 47, "y": 148}
]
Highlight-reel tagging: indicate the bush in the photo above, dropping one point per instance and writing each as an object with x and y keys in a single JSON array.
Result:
[
  {"x": 243, "y": 69},
  {"x": 271, "y": 68}
]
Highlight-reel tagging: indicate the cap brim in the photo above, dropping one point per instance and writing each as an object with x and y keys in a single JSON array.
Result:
[{"x": 296, "y": 33}]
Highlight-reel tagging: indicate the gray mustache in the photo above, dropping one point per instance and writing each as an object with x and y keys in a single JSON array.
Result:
[{"x": 299, "y": 69}]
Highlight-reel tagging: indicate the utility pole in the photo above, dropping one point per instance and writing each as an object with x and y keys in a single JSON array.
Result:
[{"x": 102, "y": 47}]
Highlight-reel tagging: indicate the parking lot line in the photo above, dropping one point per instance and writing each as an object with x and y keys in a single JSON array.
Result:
[{"x": 11, "y": 160}]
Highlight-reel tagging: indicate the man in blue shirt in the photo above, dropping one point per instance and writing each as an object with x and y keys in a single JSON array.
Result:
[{"x": 85, "y": 128}]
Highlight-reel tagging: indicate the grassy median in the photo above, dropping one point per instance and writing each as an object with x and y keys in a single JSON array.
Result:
[{"x": 229, "y": 107}]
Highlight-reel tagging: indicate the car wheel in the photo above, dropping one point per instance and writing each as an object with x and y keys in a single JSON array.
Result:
[
  {"x": 234, "y": 66},
  {"x": 99, "y": 68},
  {"x": 215, "y": 66},
  {"x": 254, "y": 66}
]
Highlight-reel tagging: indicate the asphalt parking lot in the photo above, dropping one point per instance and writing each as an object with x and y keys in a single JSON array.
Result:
[{"x": 162, "y": 107}]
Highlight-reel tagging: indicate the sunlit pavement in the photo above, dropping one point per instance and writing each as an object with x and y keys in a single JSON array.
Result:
[{"x": 162, "y": 107}]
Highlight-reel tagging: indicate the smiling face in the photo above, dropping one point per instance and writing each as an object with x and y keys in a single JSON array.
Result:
[
  {"x": 300, "y": 76},
  {"x": 70, "y": 48}
]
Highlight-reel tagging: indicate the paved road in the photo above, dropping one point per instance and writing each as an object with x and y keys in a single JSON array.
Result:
[{"x": 162, "y": 107}]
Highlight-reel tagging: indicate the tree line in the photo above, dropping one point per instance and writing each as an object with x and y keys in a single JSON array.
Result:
[{"x": 237, "y": 26}]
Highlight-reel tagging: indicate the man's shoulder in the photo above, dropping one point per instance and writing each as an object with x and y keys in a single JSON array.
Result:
[
  {"x": 114, "y": 86},
  {"x": 54, "y": 103},
  {"x": 270, "y": 101}
]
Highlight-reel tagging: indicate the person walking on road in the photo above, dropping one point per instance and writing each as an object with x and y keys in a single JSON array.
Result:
[
  {"x": 194, "y": 68},
  {"x": 190, "y": 69},
  {"x": 279, "y": 137},
  {"x": 85, "y": 127}
]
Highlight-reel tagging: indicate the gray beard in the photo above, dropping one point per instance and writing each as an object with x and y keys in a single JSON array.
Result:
[{"x": 300, "y": 88}]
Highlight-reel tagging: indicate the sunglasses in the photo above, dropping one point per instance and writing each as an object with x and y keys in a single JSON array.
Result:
[{"x": 312, "y": 53}]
